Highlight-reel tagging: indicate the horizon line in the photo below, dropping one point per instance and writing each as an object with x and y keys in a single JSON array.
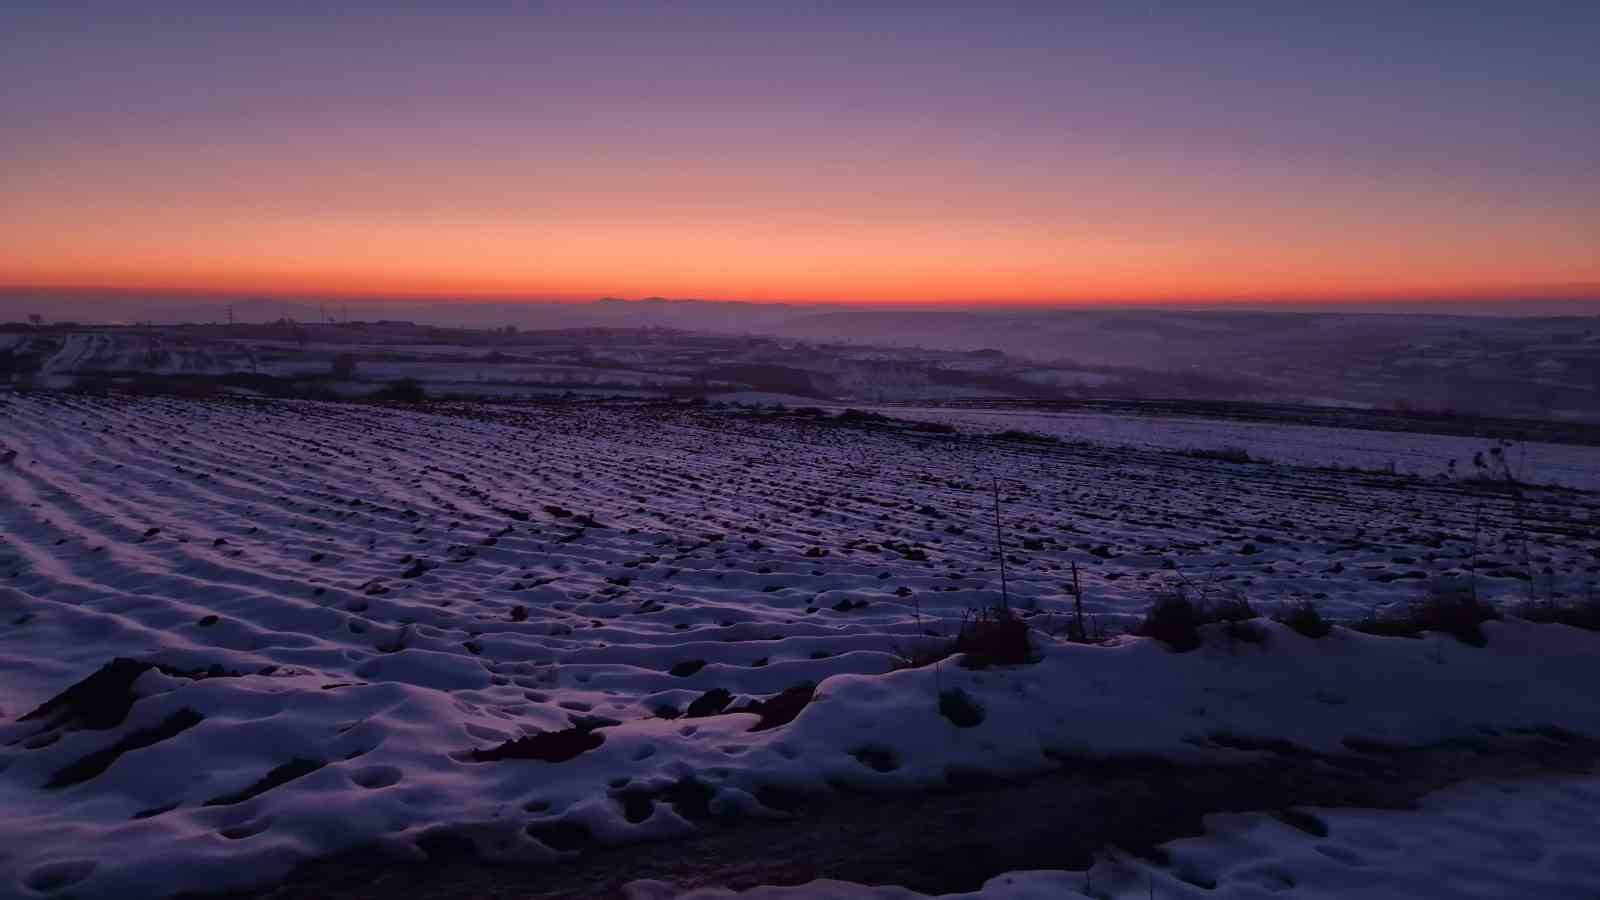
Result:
[{"x": 1510, "y": 297}]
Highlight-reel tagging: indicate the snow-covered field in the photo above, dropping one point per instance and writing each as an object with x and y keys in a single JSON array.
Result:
[
  {"x": 1301, "y": 445},
  {"x": 539, "y": 626}
]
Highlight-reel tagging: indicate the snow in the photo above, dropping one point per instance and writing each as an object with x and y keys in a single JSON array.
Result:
[
  {"x": 397, "y": 589},
  {"x": 1526, "y": 838},
  {"x": 1303, "y": 445}
]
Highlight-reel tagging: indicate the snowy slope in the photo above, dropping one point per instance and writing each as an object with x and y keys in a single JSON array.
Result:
[{"x": 356, "y": 608}]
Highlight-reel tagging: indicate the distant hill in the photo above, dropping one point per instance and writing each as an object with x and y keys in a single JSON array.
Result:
[{"x": 1528, "y": 365}]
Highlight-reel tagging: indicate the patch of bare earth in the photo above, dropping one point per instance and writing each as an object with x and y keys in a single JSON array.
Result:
[{"x": 954, "y": 840}]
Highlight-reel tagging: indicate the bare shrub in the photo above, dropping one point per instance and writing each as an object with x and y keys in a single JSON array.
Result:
[
  {"x": 1449, "y": 608},
  {"x": 993, "y": 637},
  {"x": 1303, "y": 618},
  {"x": 1174, "y": 620},
  {"x": 1178, "y": 612}
]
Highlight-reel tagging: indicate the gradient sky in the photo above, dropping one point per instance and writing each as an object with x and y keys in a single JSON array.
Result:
[{"x": 908, "y": 152}]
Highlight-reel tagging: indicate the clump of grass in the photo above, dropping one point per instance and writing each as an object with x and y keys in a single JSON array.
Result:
[
  {"x": 1303, "y": 618},
  {"x": 1232, "y": 609},
  {"x": 993, "y": 637},
  {"x": 1175, "y": 619},
  {"x": 1448, "y": 608},
  {"x": 1457, "y": 611},
  {"x": 988, "y": 637},
  {"x": 1235, "y": 613},
  {"x": 1172, "y": 619},
  {"x": 1584, "y": 613}
]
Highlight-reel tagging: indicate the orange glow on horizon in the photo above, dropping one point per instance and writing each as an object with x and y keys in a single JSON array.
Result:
[
  {"x": 1081, "y": 227},
  {"x": 1050, "y": 155},
  {"x": 842, "y": 262},
  {"x": 1072, "y": 249},
  {"x": 367, "y": 294}
]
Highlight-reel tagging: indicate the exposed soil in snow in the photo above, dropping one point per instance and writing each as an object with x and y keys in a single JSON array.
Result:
[
  {"x": 1521, "y": 838},
  {"x": 949, "y": 841}
]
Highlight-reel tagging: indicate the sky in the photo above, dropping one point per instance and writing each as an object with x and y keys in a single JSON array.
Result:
[{"x": 859, "y": 152}]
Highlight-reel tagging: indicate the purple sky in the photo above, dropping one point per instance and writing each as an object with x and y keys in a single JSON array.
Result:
[{"x": 899, "y": 153}]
